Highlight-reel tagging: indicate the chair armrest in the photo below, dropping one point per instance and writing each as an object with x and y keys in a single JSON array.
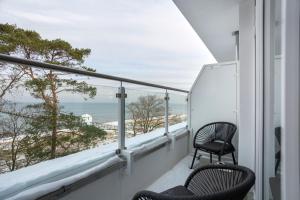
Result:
[{"x": 148, "y": 195}]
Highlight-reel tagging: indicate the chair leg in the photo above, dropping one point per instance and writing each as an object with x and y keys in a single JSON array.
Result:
[
  {"x": 219, "y": 158},
  {"x": 195, "y": 154},
  {"x": 233, "y": 158},
  {"x": 277, "y": 165},
  {"x": 210, "y": 158}
]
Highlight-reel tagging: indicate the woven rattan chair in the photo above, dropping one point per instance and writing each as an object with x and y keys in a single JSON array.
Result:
[
  {"x": 215, "y": 138},
  {"x": 212, "y": 182}
]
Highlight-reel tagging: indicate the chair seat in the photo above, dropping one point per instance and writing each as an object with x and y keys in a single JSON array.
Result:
[
  {"x": 215, "y": 147},
  {"x": 178, "y": 191}
]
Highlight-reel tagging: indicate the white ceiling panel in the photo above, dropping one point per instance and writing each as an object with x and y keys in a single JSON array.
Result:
[{"x": 214, "y": 21}]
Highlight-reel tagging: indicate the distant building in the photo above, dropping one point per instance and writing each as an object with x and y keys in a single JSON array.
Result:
[{"x": 88, "y": 119}]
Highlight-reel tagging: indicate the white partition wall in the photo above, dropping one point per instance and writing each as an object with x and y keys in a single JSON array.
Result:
[
  {"x": 213, "y": 96},
  {"x": 248, "y": 75}
]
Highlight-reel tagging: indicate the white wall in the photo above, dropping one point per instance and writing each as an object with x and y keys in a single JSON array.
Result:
[
  {"x": 247, "y": 84},
  {"x": 213, "y": 96},
  {"x": 119, "y": 185}
]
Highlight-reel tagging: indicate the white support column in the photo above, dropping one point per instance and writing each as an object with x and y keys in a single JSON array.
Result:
[
  {"x": 259, "y": 97},
  {"x": 167, "y": 98},
  {"x": 247, "y": 104},
  {"x": 290, "y": 100},
  {"x": 121, "y": 95}
]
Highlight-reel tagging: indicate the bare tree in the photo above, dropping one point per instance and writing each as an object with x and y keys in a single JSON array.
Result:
[
  {"x": 147, "y": 113},
  {"x": 12, "y": 133},
  {"x": 10, "y": 78}
]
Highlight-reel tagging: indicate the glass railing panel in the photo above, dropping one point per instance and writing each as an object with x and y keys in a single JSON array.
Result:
[
  {"x": 46, "y": 115},
  {"x": 145, "y": 111},
  {"x": 177, "y": 110}
]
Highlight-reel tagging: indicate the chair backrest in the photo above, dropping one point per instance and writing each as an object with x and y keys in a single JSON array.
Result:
[
  {"x": 223, "y": 131},
  {"x": 221, "y": 182}
]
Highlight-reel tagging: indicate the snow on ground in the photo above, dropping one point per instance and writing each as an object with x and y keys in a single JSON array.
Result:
[
  {"x": 145, "y": 138},
  {"x": 51, "y": 171}
]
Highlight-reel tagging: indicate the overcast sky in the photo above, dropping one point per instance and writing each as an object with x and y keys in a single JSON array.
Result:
[{"x": 148, "y": 40}]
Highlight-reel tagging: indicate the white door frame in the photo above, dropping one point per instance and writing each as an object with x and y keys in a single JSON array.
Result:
[
  {"x": 290, "y": 105},
  {"x": 290, "y": 100},
  {"x": 268, "y": 97},
  {"x": 259, "y": 31}
]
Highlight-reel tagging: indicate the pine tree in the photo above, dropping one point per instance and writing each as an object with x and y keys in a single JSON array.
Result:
[{"x": 51, "y": 132}]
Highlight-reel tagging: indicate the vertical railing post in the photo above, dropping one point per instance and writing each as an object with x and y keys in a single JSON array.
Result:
[
  {"x": 187, "y": 99},
  {"x": 167, "y": 98},
  {"x": 237, "y": 45},
  {"x": 121, "y": 95}
]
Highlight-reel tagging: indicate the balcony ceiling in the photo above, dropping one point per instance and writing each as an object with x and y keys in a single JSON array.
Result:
[{"x": 214, "y": 21}]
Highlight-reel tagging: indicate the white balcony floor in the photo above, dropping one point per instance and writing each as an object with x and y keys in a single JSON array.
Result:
[{"x": 177, "y": 175}]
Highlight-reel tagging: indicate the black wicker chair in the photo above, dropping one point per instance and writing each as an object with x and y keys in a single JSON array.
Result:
[
  {"x": 215, "y": 138},
  {"x": 212, "y": 182}
]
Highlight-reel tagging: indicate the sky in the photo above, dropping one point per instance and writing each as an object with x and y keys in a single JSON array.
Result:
[{"x": 147, "y": 40}]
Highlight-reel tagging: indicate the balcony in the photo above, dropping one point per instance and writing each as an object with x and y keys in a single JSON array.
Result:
[
  {"x": 129, "y": 157},
  {"x": 96, "y": 136},
  {"x": 68, "y": 132}
]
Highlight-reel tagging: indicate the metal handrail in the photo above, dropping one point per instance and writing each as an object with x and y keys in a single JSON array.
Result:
[{"x": 16, "y": 60}]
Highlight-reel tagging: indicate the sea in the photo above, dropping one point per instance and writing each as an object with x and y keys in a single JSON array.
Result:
[
  {"x": 108, "y": 112},
  {"x": 105, "y": 112}
]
